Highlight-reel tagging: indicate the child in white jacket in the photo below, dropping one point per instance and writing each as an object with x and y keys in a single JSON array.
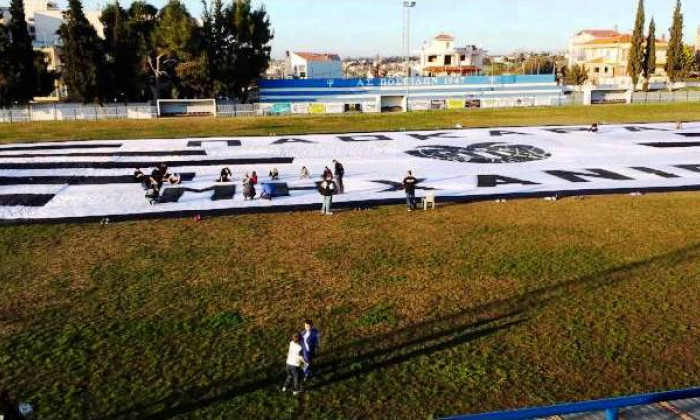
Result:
[{"x": 295, "y": 361}]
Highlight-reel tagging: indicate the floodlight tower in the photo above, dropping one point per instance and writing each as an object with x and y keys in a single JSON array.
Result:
[{"x": 407, "y": 6}]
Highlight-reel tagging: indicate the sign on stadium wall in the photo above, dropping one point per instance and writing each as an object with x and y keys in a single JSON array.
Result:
[{"x": 90, "y": 180}]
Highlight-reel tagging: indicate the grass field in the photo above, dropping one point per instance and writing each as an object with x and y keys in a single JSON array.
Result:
[
  {"x": 305, "y": 124},
  {"x": 471, "y": 308}
]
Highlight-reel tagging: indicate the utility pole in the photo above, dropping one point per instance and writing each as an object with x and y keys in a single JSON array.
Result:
[{"x": 407, "y": 6}]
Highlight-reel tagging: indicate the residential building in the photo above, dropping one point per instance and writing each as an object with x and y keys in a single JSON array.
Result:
[
  {"x": 604, "y": 53},
  {"x": 441, "y": 57},
  {"x": 306, "y": 65}
]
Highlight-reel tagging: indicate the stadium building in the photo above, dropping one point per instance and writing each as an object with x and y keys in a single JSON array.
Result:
[{"x": 416, "y": 93}]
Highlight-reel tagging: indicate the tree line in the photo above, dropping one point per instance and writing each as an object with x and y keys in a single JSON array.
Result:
[
  {"x": 23, "y": 72},
  {"x": 148, "y": 53}
]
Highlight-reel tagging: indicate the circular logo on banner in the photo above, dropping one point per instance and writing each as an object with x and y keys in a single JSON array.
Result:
[{"x": 493, "y": 152}]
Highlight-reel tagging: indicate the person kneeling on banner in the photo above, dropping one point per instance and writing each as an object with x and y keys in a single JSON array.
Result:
[{"x": 225, "y": 176}]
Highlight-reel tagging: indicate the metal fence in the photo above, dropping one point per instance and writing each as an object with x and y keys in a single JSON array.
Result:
[
  {"x": 80, "y": 112},
  {"x": 611, "y": 407},
  {"x": 665, "y": 97},
  {"x": 77, "y": 112}
]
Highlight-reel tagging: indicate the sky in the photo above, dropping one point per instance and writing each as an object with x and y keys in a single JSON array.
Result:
[{"x": 371, "y": 27}]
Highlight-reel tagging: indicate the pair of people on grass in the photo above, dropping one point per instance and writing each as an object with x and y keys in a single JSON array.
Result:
[
  {"x": 339, "y": 175},
  {"x": 300, "y": 357}
]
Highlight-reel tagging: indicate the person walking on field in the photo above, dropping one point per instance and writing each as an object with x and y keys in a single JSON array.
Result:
[
  {"x": 294, "y": 363},
  {"x": 409, "y": 186},
  {"x": 310, "y": 343},
  {"x": 327, "y": 188},
  {"x": 339, "y": 174}
]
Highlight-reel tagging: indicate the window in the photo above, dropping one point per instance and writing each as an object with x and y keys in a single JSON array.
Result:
[
  {"x": 606, "y": 70},
  {"x": 463, "y": 57},
  {"x": 432, "y": 58},
  {"x": 596, "y": 70},
  {"x": 448, "y": 60}
]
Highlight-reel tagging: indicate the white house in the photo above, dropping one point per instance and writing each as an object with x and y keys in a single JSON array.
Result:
[
  {"x": 305, "y": 65},
  {"x": 441, "y": 57},
  {"x": 604, "y": 53}
]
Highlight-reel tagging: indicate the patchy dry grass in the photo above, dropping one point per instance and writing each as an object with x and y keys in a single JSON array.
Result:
[
  {"x": 308, "y": 124},
  {"x": 470, "y": 308}
]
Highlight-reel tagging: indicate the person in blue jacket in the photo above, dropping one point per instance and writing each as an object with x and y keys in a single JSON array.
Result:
[{"x": 310, "y": 343}]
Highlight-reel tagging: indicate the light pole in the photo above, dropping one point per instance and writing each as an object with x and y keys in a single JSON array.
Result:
[{"x": 407, "y": 6}]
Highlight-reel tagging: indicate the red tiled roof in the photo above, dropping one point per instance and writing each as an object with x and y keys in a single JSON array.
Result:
[
  {"x": 619, "y": 39},
  {"x": 318, "y": 57}
]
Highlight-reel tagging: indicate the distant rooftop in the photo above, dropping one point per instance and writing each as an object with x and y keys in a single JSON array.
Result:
[
  {"x": 600, "y": 33},
  {"x": 318, "y": 56},
  {"x": 444, "y": 37}
]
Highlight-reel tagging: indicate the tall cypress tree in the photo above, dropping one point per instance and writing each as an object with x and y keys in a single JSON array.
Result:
[
  {"x": 122, "y": 77},
  {"x": 82, "y": 55},
  {"x": 650, "y": 53},
  {"x": 5, "y": 99},
  {"x": 674, "y": 54},
  {"x": 636, "y": 54},
  {"x": 23, "y": 78}
]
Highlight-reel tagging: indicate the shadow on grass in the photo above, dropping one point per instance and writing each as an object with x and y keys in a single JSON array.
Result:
[{"x": 367, "y": 355}]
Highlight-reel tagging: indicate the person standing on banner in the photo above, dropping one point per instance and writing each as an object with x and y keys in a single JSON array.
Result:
[
  {"x": 409, "y": 186},
  {"x": 310, "y": 343},
  {"x": 294, "y": 363},
  {"x": 339, "y": 174},
  {"x": 327, "y": 188}
]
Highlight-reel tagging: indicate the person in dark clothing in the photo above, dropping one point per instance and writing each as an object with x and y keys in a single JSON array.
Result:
[
  {"x": 409, "y": 186},
  {"x": 327, "y": 188},
  {"x": 310, "y": 343},
  {"x": 339, "y": 174},
  {"x": 594, "y": 128},
  {"x": 9, "y": 408},
  {"x": 225, "y": 175},
  {"x": 157, "y": 176}
]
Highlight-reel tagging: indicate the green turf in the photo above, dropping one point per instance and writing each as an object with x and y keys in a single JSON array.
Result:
[
  {"x": 467, "y": 309},
  {"x": 304, "y": 124}
]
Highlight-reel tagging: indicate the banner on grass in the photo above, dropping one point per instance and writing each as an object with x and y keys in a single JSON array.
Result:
[{"x": 69, "y": 181}]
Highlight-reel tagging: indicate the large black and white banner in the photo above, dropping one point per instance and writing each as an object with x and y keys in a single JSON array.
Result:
[{"x": 87, "y": 180}]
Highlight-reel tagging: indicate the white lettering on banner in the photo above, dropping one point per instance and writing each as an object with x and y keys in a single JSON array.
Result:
[
  {"x": 456, "y": 164},
  {"x": 423, "y": 81}
]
